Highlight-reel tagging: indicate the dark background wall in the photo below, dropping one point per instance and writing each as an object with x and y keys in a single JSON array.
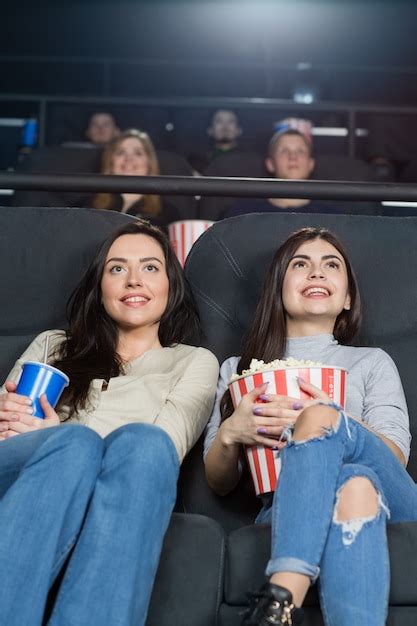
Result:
[
  {"x": 99, "y": 52},
  {"x": 212, "y": 48}
]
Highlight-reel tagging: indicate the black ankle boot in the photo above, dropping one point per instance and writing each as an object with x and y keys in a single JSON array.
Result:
[{"x": 272, "y": 605}]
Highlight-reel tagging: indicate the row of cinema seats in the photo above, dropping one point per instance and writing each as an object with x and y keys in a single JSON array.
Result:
[
  {"x": 212, "y": 553},
  {"x": 63, "y": 160}
]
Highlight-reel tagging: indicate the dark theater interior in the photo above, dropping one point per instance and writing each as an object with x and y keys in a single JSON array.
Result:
[{"x": 208, "y": 321}]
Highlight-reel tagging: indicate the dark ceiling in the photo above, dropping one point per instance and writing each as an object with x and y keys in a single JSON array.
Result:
[{"x": 364, "y": 51}]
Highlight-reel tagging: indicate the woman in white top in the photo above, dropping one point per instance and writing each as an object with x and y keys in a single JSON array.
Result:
[{"x": 92, "y": 486}]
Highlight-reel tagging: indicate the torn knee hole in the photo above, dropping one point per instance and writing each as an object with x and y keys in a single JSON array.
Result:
[
  {"x": 356, "y": 498},
  {"x": 315, "y": 421},
  {"x": 357, "y": 502}
]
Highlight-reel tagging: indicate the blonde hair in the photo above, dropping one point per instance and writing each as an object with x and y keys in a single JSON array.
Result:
[
  {"x": 151, "y": 202},
  {"x": 292, "y": 132}
]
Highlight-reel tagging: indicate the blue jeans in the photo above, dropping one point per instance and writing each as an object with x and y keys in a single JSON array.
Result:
[
  {"x": 109, "y": 501},
  {"x": 351, "y": 560}
]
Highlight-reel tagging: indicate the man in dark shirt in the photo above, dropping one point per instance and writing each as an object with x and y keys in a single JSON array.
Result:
[{"x": 225, "y": 131}]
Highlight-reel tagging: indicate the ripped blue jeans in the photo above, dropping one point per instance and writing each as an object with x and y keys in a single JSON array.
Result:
[{"x": 350, "y": 558}]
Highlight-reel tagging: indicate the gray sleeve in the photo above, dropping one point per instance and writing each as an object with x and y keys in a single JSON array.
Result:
[
  {"x": 385, "y": 407},
  {"x": 227, "y": 369}
]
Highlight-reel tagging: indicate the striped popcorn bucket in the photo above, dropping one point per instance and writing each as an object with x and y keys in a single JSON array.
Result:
[
  {"x": 184, "y": 234},
  {"x": 265, "y": 463}
]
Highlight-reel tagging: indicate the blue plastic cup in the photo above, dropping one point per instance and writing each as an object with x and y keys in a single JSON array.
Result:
[
  {"x": 30, "y": 133},
  {"x": 38, "y": 378}
]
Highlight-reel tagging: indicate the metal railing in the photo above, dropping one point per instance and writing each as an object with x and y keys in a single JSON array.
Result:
[{"x": 211, "y": 186}]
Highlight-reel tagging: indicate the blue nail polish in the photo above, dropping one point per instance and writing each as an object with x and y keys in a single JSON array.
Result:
[
  {"x": 297, "y": 406},
  {"x": 257, "y": 411},
  {"x": 261, "y": 431},
  {"x": 263, "y": 398}
]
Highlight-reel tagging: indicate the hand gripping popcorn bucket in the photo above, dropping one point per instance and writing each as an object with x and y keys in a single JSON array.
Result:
[
  {"x": 265, "y": 463},
  {"x": 184, "y": 234}
]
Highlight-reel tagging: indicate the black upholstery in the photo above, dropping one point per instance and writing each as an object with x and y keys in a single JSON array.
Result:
[
  {"x": 173, "y": 164},
  {"x": 57, "y": 160},
  {"x": 238, "y": 163},
  {"x": 189, "y": 584},
  {"x": 409, "y": 173},
  {"x": 238, "y": 509},
  {"x": 342, "y": 167}
]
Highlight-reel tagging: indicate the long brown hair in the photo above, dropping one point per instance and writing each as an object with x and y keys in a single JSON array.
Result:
[
  {"x": 151, "y": 202},
  {"x": 90, "y": 348},
  {"x": 267, "y": 337}
]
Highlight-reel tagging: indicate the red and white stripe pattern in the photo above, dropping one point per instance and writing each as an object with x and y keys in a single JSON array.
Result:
[
  {"x": 184, "y": 234},
  {"x": 264, "y": 463}
]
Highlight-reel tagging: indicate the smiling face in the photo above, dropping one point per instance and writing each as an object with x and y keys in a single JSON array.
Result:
[
  {"x": 134, "y": 284},
  {"x": 315, "y": 289},
  {"x": 290, "y": 158},
  {"x": 130, "y": 158}
]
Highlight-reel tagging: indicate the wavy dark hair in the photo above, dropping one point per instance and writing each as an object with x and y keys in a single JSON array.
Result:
[
  {"x": 267, "y": 337},
  {"x": 90, "y": 348}
]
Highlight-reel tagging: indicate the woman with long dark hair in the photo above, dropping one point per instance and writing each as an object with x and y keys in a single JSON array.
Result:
[
  {"x": 97, "y": 491},
  {"x": 342, "y": 472}
]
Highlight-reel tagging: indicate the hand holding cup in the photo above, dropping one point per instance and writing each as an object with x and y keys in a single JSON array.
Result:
[
  {"x": 29, "y": 423},
  {"x": 13, "y": 406}
]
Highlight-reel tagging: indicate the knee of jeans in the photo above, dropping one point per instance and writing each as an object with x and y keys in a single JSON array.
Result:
[
  {"x": 79, "y": 447},
  {"x": 143, "y": 443},
  {"x": 359, "y": 502},
  {"x": 316, "y": 422}
]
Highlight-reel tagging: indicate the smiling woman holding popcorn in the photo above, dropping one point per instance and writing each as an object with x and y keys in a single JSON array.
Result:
[{"x": 342, "y": 474}]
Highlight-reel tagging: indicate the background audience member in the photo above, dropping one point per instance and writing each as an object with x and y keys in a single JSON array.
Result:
[
  {"x": 133, "y": 154},
  {"x": 102, "y": 128},
  {"x": 225, "y": 131},
  {"x": 290, "y": 157}
]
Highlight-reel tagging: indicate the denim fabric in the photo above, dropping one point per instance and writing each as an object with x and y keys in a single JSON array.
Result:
[
  {"x": 351, "y": 559},
  {"x": 112, "y": 499}
]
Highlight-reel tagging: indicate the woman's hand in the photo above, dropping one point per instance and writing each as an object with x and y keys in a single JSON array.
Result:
[
  {"x": 317, "y": 394},
  {"x": 13, "y": 406},
  {"x": 18, "y": 423},
  {"x": 260, "y": 419}
]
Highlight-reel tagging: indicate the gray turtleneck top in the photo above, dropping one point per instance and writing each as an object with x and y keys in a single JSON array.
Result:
[{"x": 373, "y": 390}]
